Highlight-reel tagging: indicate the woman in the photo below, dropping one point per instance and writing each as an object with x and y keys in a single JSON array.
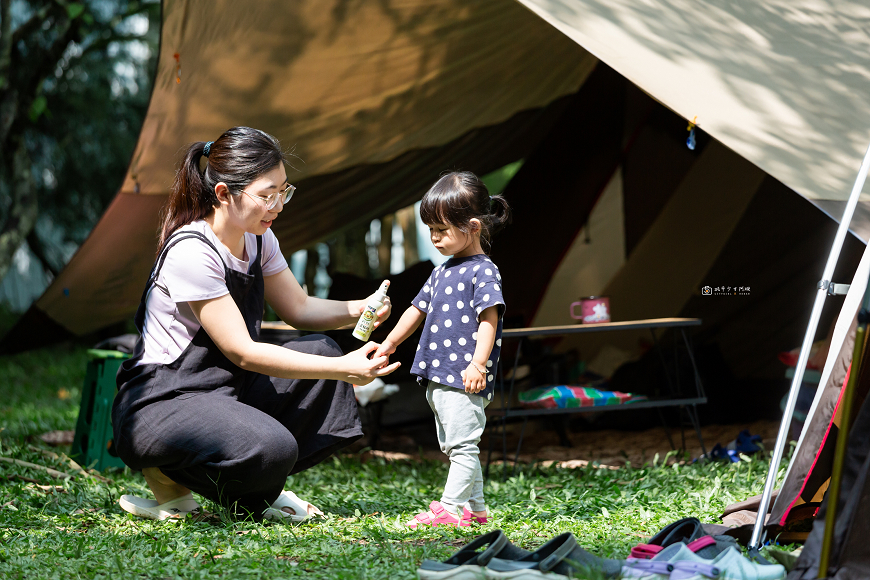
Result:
[{"x": 202, "y": 406}]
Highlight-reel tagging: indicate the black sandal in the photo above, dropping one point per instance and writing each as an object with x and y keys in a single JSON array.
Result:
[
  {"x": 688, "y": 531},
  {"x": 468, "y": 563}
]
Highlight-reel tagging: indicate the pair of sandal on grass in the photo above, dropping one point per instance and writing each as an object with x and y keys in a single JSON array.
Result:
[
  {"x": 684, "y": 551},
  {"x": 288, "y": 507},
  {"x": 493, "y": 557},
  {"x": 680, "y": 551}
]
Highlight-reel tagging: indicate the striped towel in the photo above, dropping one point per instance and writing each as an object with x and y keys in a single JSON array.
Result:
[{"x": 566, "y": 396}]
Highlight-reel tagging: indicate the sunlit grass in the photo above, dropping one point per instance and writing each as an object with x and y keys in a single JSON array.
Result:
[{"x": 78, "y": 530}]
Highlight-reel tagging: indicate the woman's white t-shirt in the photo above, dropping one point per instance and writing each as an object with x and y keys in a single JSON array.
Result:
[{"x": 193, "y": 271}]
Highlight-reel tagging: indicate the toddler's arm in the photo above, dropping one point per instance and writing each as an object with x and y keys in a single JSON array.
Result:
[
  {"x": 474, "y": 378},
  {"x": 407, "y": 324}
]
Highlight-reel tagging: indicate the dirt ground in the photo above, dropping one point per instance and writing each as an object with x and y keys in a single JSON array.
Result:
[{"x": 606, "y": 447}]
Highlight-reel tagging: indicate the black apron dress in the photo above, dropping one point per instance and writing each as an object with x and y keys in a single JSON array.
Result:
[{"x": 228, "y": 434}]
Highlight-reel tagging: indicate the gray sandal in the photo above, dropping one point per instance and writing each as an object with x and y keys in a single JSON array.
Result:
[
  {"x": 468, "y": 563},
  {"x": 561, "y": 556}
]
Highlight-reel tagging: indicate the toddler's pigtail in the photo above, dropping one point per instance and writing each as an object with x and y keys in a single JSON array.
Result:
[{"x": 500, "y": 212}]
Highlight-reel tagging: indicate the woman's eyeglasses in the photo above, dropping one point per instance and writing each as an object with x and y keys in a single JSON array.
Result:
[{"x": 273, "y": 198}]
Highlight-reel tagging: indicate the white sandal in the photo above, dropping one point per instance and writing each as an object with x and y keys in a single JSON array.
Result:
[
  {"x": 149, "y": 508},
  {"x": 303, "y": 510}
]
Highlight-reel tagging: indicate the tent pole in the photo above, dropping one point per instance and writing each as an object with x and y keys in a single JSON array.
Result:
[
  {"x": 858, "y": 294},
  {"x": 821, "y": 293}
]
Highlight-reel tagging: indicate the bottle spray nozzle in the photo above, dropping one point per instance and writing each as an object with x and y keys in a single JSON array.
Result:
[{"x": 382, "y": 291}]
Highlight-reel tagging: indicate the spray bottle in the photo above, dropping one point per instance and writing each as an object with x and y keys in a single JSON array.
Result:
[{"x": 366, "y": 322}]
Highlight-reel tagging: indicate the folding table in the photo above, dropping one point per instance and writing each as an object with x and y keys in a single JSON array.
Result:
[{"x": 687, "y": 402}]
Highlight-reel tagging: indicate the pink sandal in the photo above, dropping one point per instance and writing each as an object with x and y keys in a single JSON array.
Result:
[
  {"x": 469, "y": 517},
  {"x": 442, "y": 517}
]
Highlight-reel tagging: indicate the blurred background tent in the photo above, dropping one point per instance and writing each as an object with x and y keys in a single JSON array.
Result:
[
  {"x": 377, "y": 99},
  {"x": 374, "y": 100}
]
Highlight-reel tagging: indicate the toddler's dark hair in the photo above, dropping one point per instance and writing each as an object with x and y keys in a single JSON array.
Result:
[{"x": 458, "y": 197}]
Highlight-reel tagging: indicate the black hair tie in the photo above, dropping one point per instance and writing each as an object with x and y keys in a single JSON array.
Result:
[{"x": 207, "y": 149}]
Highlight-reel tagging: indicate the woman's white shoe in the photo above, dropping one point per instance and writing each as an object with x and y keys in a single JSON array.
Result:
[
  {"x": 302, "y": 510},
  {"x": 149, "y": 508}
]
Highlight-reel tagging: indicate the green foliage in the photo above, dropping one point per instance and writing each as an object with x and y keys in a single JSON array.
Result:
[
  {"x": 38, "y": 108},
  {"x": 78, "y": 530},
  {"x": 7, "y": 318},
  {"x": 81, "y": 151},
  {"x": 498, "y": 179},
  {"x": 74, "y": 91},
  {"x": 74, "y": 10}
]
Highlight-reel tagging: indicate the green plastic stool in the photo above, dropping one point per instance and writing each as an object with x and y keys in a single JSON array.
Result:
[{"x": 93, "y": 437}]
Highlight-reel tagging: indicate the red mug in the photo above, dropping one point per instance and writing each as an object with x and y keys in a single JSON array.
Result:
[{"x": 593, "y": 309}]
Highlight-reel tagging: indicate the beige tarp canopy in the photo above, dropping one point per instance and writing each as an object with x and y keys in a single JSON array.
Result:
[
  {"x": 783, "y": 83},
  {"x": 345, "y": 84},
  {"x": 377, "y": 98}
]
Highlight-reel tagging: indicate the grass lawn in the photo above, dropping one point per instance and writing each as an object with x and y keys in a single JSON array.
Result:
[{"x": 73, "y": 528}]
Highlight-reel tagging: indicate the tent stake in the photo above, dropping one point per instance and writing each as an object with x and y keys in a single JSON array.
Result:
[
  {"x": 833, "y": 492},
  {"x": 821, "y": 293}
]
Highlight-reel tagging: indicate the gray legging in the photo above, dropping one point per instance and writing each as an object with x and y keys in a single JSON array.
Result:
[{"x": 460, "y": 419}]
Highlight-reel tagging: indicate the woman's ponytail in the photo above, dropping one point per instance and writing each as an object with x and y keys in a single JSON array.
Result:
[{"x": 189, "y": 199}]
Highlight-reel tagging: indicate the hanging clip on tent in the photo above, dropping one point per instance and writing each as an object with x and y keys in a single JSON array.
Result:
[
  {"x": 833, "y": 289},
  {"x": 821, "y": 293},
  {"x": 690, "y": 142}
]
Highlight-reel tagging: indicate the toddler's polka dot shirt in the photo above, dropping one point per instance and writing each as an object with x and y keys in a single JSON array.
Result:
[{"x": 452, "y": 299}]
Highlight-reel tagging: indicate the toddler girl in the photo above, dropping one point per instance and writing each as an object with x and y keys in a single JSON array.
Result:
[{"x": 456, "y": 359}]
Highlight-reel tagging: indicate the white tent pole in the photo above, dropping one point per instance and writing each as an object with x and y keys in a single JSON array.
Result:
[
  {"x": 821, "y": 293},
  {"x": 857, "y": 295}
]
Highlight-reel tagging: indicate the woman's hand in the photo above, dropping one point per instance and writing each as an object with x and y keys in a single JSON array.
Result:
[
  {"x": 473, "y": 380},
  {"x": 361, "y": 370},
  {"x": 383, "y": 313}
]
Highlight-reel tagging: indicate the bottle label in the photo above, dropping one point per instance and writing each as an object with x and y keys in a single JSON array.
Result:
[{"x": 365, "y": 324}]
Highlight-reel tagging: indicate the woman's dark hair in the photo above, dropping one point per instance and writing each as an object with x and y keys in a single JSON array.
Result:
[
  {"x": 237, "y": 158},
  {"x": 460, "y": 196}
]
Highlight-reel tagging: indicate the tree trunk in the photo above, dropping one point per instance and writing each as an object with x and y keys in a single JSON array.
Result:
[
  {"x": 38, "y": 248},
  {"x": 22, "y": 215},
  {"x": 385, "y": 246},
  {"x": 348, "y": 252},
  {"x": 311, "y": 264},
  {"x": 408, "y": 220}
]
